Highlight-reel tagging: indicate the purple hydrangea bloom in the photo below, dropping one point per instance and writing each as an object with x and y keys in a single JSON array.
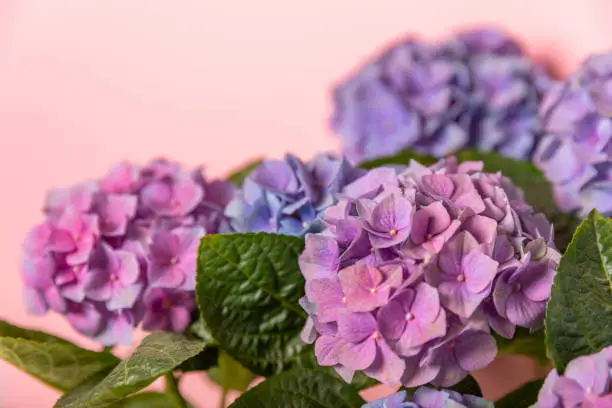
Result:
[
  {"x": 119, "y": 251},
  {"x": 587, "y": 383},
  {"x": 430, "y": 398},
  {"x": 286, "y": 196},
  {"x": 477, "y": 89},
  {"x": 575, "y": 152},
  {"x": 416, "y": 267}
]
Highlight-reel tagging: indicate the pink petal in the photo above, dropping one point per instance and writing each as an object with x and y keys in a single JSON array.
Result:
[
  {"x": 391, "y": 320},
  {"x": 484, "y": 229},
  {"x": 418, "y": 333},
  {"x": 360, "y": 284},
  {"x": 590, "y": 372}
]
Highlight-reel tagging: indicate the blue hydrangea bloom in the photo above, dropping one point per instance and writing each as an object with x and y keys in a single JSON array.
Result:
[
  {"x": 286, "y": 196},
  {"x": 576, "y": 152},
  {"x": 477, "y": 89},
  {"x": 430, "y": 398}
]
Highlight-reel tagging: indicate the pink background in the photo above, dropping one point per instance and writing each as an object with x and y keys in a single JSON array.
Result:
[{"x": 85, "y": 83}]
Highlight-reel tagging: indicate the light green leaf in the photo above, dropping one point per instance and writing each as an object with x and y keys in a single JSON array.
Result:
[
  {"x": 248, "y": 287},
  {"x": 579, "y": 313},
  {"x": 158, "y": 354},
  {"x": 230, "y": 375},
  {"x": 145, "y": 400},
  {"x": 526, "y": 343},
  {"x": 53, "y": 360},
  {"x": 238, "y": 176},
  {"x": 301, "y": 388},
  {"x": 521, "y": 398}
]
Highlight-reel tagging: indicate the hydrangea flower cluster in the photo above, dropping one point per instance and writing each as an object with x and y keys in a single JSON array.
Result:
[
  {"x": 414, "y": 269},
  {"x": 576, "y": 151},
  {"x": 587, "y": 383},
  {"x": 477, "y": 89},
  {"x": 286, "y": 196},
  {"x": 119, "y": 251},
  {"x": 430, "y": 398}
]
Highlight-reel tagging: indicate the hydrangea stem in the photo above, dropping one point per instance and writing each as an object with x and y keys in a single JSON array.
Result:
[
  {"x": 223, "y": 400},
  {"x": 173, "y": 392}
]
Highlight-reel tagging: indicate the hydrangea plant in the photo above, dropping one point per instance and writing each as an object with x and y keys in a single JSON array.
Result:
[
  {"x": 477, "y": 89},
  {"x": 120, "y": 251},
  {"x": 326, "y": 278},
  {"x": 415, "y": 269},
  {"x": 575, "y": 151}
]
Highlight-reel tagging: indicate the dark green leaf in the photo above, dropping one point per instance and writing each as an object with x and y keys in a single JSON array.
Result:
[
  {"x": 468, "y": 386},
  {"x": 230, "y": 375},
  {"x": 579, "y": 313},
  {"x": 158, "y": 354},
  {"x": 237, "y": 177},
  {"x": 248, "y": 287},
  {"x": 521, "y": 398},
  {"x": 145, "y": 400},
  {"x": 208, "y": 357},
  {"x": 203, "y": 361},
  {"x": 53, "y": 360},
  {"x": 530, "y": 344},
  {"x": 301, "y": 388},
  {"x": 402, "y": 158},
  {"x": 538, "y": 191}
]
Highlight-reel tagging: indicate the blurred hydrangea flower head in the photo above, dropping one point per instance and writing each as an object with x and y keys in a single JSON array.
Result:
[
  {"x": 576, "y": 153},
  {"x": 587, "y": 382},
  {"x": 286, "y": 196},
  {"x": 121, "y": 250},
  {"x": 414, "y": 269},
  {"x": 477, "y": 89},
  {"x": 430, "y": 398}
]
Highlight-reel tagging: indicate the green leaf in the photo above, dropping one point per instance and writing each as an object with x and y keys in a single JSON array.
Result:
[
  {"x": 208, "y": 357},
  {"x": 230, "y": 375},
  {"x": 468, "y": 386},
  {"x": 248, "y": 287},
  {"x": 158, "y": 354},
  {"x": 53, "y": 360},
  {"x": 524, "y": 342},
  {"x": 521, "y": 398},
  {"x": 145, "y": 400},
  {"x": 238, "y": 176},
  {"x": 402, "y": 158},
  {"x": 579, "y": 313},
  {"x": 301, "y": 388},
  {"x": 538, "y": 191}
]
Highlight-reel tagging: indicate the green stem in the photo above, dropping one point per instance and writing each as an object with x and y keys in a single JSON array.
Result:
[
  {"x": 223, "y": 401},
  {"x": 173, "y": 392}
]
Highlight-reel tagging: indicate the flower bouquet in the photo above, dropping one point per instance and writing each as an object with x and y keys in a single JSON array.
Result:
[{"x": 461, "y": 222}]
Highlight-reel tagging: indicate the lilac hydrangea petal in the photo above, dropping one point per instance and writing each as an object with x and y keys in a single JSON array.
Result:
[
  {"x": 475, "y": 350},
  {"x": 387, "y": 367},
  {"x": 429, "y": 221},
  {"x": 371, "y": 182},
  {"x": 327, "y": 295},
  {"x": 356, "y": 327},
  {"x": 326, "y": 350},
  {"x": 85, "y": 318},
  {"x": 523, "y": 312},
  {"x": 391, "y": 319},
  {"x": 569, "y": 391},
  {"x": 34, "y": 301},
  {"x": 430, "y": 398},
  {"x": 591, "y": 372},
  {"x": 320, "y": 256},
  {"x": 479, "y": 271},
  {"x": 357, "y": 356}
]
